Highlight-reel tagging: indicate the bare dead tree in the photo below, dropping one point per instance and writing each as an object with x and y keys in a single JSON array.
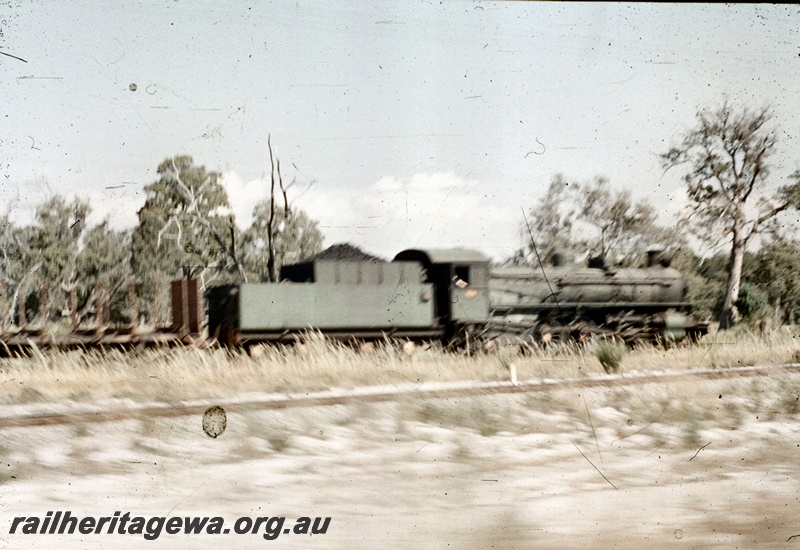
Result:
[{"x": 275, "y": 169}]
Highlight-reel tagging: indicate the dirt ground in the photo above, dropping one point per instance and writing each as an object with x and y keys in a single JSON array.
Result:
[{"x": 573, "y": 470}]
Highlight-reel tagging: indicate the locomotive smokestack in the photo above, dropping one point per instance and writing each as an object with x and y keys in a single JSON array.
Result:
[
  {"x": 657, "y": 257},
  {"x": 561, "y": 258}
]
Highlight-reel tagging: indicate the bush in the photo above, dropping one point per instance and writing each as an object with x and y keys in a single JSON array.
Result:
[
  {"x": 752, "y": 302},
  {"x": 610, "y": 353}
]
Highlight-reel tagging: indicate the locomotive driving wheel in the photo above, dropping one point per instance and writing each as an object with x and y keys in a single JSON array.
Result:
[{"x": 552, "y": 333}]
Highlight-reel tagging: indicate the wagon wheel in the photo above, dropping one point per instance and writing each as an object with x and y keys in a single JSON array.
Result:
[
  {"x": 468, "y": 340},
  {"x": 473, "y": 341}
]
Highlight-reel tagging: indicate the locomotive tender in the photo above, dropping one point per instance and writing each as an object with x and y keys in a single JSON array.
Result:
[
  {"x": 410, "y": 297},
  {"x": 453, "y": 296}
]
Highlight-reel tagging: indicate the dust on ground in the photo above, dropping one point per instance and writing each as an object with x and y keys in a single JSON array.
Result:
[{"x": 713, "y": 465}]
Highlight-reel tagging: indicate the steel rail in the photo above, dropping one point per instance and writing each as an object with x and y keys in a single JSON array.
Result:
[{"x": 373, "y": 394}]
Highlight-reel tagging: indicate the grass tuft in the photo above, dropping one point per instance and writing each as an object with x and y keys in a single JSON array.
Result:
[{"x": 610, "y": 353}]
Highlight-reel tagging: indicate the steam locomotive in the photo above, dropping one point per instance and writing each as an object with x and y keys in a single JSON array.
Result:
[{"x": 453, "y": 295}]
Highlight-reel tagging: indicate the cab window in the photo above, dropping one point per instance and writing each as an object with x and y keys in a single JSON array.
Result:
[{"x": 461, "y": 276}]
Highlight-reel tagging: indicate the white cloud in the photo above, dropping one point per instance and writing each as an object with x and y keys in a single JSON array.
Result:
[
  {"x": 244, "y": 195},
  {"x": 387, "y": 183},
  {"x": 671, "y": 209},
  {"x": 120, "y": 206},
  {"x": 429, "y": 210}
]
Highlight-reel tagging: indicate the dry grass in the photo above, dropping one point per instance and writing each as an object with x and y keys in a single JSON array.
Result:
[
  {"x": 610, "y": 353},
  {"x": 181, "y": 374}
]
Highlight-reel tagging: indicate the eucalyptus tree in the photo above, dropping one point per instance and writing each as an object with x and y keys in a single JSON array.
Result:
[
  {"x": 592, "y": 219},
  {"x": 104, "y": 259},
  {"x": 726, "y": 161},
  {"x": 547, "y": 228},
  {"x": 185, "y": 227},
  {"x": 627, "y": 227},
  {"x": 776, "y": 271},
  {"x": 294, "y": 238}
]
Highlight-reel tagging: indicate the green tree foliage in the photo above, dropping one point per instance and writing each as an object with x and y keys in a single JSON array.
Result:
[
  {"x": 55, "y": 241},
  {"x": 770, "y": 282},
  {"x": 19, "y": 264},
  {"x": 104, "y": 258},
  {"x": 705, "y": 290},
  {"x": 753, "y": 301},
  {"x": 777, "y": 271},
  {"x": 15, "y": 251},
  {"x": 49, "y": 252},
  {"x": 185, "y": 227},
  {"x": 59, "y": 251},
  {"x": 627, "y": 228},
  {"x": 548, "y": 227},
  {"x": 42, "y": 255},
  {"x": 726, "y": 163},
  {"x": 591, "y": 219},
  {"x": 295, "y": 237}
]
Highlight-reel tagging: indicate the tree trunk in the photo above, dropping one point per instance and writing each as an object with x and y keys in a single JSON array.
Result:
[
  {"x": 271, "y": 271},
  {"x": 271, "y": 223},
  {"x": 232, "y": 251},
  {"x": 778, "y": 313},
  {"x": 729, "y": 314}
]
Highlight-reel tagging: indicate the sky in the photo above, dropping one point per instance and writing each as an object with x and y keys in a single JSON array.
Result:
[{"x": 402, "y": 123}]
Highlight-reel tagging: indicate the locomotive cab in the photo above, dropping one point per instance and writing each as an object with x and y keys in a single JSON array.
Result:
[{"x": 460, "y": 278}]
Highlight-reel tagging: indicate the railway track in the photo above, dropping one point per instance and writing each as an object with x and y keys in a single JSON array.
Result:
[{"x": 93, "y": 414}]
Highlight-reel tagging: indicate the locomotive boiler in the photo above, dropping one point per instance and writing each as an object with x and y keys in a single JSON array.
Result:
[{"x": 569, "y": 302}]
